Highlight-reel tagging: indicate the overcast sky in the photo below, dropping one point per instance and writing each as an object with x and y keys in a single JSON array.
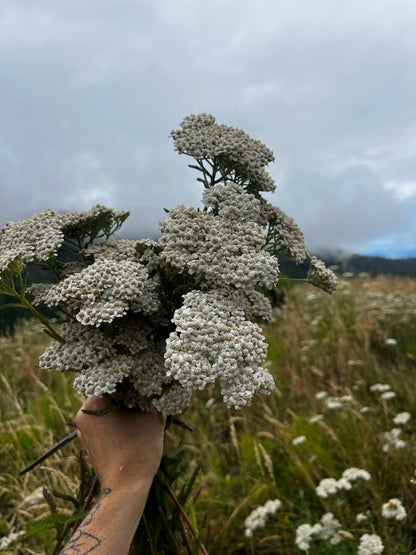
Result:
[{"x": 91, "y": 89}]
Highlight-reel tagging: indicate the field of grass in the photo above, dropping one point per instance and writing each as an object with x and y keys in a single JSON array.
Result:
[{"x": 326, "y": 354}]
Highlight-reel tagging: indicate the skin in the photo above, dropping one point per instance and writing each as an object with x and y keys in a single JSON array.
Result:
[{"x": 125, "y": 448}]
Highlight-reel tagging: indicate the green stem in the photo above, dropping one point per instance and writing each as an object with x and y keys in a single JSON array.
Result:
[{"x": 39, "y": 316}]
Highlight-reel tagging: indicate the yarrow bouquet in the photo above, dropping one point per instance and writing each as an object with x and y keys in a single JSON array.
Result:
[{"x": 146, "y": 323}]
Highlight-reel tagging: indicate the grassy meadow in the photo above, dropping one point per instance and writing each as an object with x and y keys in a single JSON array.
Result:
[{"x": 327, "y": 414}]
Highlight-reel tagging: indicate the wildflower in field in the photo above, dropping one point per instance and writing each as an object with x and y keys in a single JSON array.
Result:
[
  {"x": 356, "y": 363},
  {"x": 214, "y": 340},
  {"x": 36, "y": 238},
  {"x": 392, "y": 439},
  {"x": 330, "y": 526},
  {"x": 6, "y": 541},
  {"x": 329, "y": 486},
  {"x": 334, "y": 403},
  {"x": 387, "y": 395},
  {"x": 379, "y": 387},
  {"x": 327, "y": 529},
  {"x": 391, "y": 342},
  {"x": 316, "y": 418},
  {"x": 305, "y": 534},
  {"x": 202, "y": 138},
  {"x": 326, "y": 487},
  {"x": 394, "y": 509},
  {"x": 352, "y": 474},
  {"x": 258, "y": 517},
  {"x": 321, "y": 395},
  {"x": 402, "y": 418},
  {"x": 361, "y": 517},
  {"x": 364, "y": 410},
  {"x": 321, "y": 276},
  {"x": 370, "y": 544},
  {"x": 298, "y": 440}
]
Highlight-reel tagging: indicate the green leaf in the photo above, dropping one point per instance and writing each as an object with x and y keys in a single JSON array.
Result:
[
  {"x": 111, "y": 406},
  {"x": 11, "y": 305},
  {"x": 51, "y": 521}
]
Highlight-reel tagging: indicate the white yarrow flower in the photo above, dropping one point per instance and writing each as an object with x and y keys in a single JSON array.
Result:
[
  {"x": 393, "y": 509},
  {"x": 258, "y": 517},
  {"x": 402, "y": 418},
  {"x": 298, "y": 440},
  {"x": 370, "y": 544}
]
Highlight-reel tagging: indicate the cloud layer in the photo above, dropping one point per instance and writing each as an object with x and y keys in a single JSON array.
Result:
[{"x": 90, "y": 91}]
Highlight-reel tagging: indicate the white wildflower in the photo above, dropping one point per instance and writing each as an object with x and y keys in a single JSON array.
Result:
[
  {"x": 379, "y": 387},
  {"x": 305, "y": 534},
  {"x": 392, "y": 439},
  {"x": 356, "y": 363},
  {"x": 393, "y": 509},
  {"x": 298, "y": 440},
  {"x": 370, "y": 544},
  {"x": 391, "y": 342},
  {"x": 388, "y": 395},
  {"x": 37, "y": 238},
  {"x": 321, "y": 276},
  {"x": 316, "y": 418},
  {"x": 353, "y": 473},
  {"x": 326, "y": 487},
  {"x": 258, "y": 517},
  {"x": 6, "y": 541},
  {"x": 214, "y": 340},
  {"x": 321, "y": 395},
  {"x": 402, "y": 418},
  {"x": 330, "y": 526},
  {"x": 284, "y": 236},
  {"x": 226, "y": 252},
  {"x": 361, "y": 517}
]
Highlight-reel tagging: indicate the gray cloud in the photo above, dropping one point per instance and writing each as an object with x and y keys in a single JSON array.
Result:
[{"x": 90, "y": 91}]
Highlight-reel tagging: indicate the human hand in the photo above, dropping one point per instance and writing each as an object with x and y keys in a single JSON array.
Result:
[{"x": 125, "y": 446}]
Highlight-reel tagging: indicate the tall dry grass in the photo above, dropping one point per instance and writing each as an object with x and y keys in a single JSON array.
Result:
[{"x": 317, "y": 343}]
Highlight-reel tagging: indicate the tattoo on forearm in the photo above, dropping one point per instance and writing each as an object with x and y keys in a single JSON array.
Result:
[{"x": 82, "y": 542}]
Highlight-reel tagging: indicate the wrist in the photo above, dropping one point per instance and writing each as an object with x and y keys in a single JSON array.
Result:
[{"x": 128, "y": 486}]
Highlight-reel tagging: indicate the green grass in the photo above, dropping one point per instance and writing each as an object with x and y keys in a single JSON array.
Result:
[{"x": 247, "y": 457}]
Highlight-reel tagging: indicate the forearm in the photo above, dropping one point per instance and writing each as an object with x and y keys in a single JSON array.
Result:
[{"x": 110, "y": 526}]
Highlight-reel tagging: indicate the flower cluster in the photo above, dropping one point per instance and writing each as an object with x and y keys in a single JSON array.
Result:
[
  {"x": 329, "y": 486},
  {"x": 226, "y": 252},
  {"x": 284, "y": 235},
  {"x": 149, "y": 322},
  {"x": 258, "y": 517},
  {"x": 327, "y": 529},
  {"x": 202, "y": 138},
  {"x": 321, "y": 276},
  {"x": 370, "y": 544},
  {"x": 36, "y": 238},
  {"x": 392, "y": 440},
  {"x": 105, "y": 290},
  {"x": 394, "y": 509},
  {"x": 213, "y": 339}
]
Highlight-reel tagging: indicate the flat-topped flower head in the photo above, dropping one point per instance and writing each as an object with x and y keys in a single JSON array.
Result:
[
  {"x": 258, "y": 517},
  {"x": 213, "y": 339},
  {"x": 284, "y": 235},
  {"x": 98, "y": 221},
  {"x": 226, "y": 252},
  {"x": 394, "y": 509},
  {"x": 36, "y": 239},
  {"x": 321, "y": 276},
  {"x": 370, "y": 544},
  {"x": 105, "y": 290},
  {"x": 204, "y": 139}
]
